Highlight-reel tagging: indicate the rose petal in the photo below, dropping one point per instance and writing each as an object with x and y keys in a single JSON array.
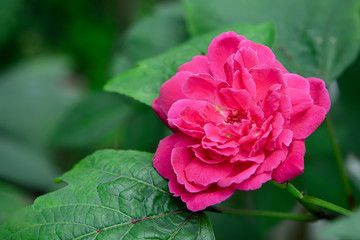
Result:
[
  {"x": 265, "y": 77},
  {"x": 285, "y": 138},
  {"x": 189, "y": 116},
  {"x": 300, "y": 101},
  {"x": 272, "y": 100},
  {"x": 272, "y": 161},
  {"x": 306, "y": 122},
  {"x": 162, "y": 157},
  {"x": 240, "y": 173},
  {"x": 264, "y": 54},
  {"x": 249, "y": 56},
  {"x": 243, "y": 156},
  {"x": 297, "y": 82},
  {"x": 180, "y": 158},
  {"x": 319, "y": 93},
  {"x": 176, "y": 188},
  {"x": 204, "y": 174},
  {"x": 201, "y": 87},
  {"x": 159, "y": 112},
  {"x": 226, "y": 149},
  {"x": 277, "y": 124},
  {"x": 170, "y": 91},
  {"x": 236, "y": 99},
  {"x": 207, "y": 156},
  {"x": 254, "y": 182},
  {"x": 220, "y": 49},
  {"x": 199, "y": 64},
  {"x": 279, "y": 66},
  {"x": 293, "y": 165},
  {"x": 214, "y": 133},
  {"x": 200, "y": 201}
]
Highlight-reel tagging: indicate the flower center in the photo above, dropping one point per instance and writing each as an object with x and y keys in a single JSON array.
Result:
[{"x": 234, "y": 116}]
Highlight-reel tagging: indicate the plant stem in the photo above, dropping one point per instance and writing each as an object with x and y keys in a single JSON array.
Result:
[
  {"x": 258, "y": 213},
  {"x": 340, "y": 162},
  {"x": 311, "y": 203}
]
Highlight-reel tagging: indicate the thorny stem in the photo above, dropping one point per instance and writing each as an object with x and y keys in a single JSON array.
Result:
[
  {"x": 312, "y": 203},
  {"x": 258, "y": 213},
  {"x": 340, "y": 163}
]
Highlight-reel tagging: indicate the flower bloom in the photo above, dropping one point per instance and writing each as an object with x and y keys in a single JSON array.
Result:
[{"x": 239, "y": 120}]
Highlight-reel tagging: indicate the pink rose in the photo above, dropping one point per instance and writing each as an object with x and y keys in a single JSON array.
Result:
[{"x": 239, "y": 119}]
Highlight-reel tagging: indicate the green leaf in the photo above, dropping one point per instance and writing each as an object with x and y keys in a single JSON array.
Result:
[
  {"x": 346, "y": 228},
  {"x": 103, "y": 120},
  {"x": 9, "y": 12},
  {"x": 143, "y": 83},
  {"x": 34, "y": 97},
  {"x": 152, "y": 35},
  {"x": 119, "y": 64},
  {"x": 314, "y": 38},
  {"x": 93, "y": 119},
  {"x": 26, "y": 165},
  {"x": 111, "y": 195},
  {"x": 11, "y": 200}
]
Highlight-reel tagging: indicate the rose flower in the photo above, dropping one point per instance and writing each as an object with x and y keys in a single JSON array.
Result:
[{"x": 239, "y": 120}]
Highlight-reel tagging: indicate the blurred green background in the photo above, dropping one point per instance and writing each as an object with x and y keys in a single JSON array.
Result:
[{"x": 55, "y": 57}]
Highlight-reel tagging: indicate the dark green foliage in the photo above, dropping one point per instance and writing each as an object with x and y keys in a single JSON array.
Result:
[
  {"x": 143, "y": 82},
  {"x": 111, "y": 195}
]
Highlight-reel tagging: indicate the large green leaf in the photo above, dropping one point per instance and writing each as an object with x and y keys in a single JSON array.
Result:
[
  {"x": 111, "y": 195},
  {"x": 143, "y": 83},
  {"x": 154, "y": 34},
  {"x": 11, "y": 200},
  {"x": 9, "y": 11},
  {"x": 314, "y": 38},
  {"x": 34, "y": 96},
  {"x": 26, "y": 165},
  {"x": 346, "y": 228},
  {"x": 95, "y": 118}
]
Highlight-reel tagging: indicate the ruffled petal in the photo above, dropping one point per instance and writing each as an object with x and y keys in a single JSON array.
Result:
[
  {"x": 265, "y": 77},
  {"x": 208, "y": 156},
  {"x": 220, "y": 49},
  {"x": 300, "y": 101},
  {"x": 297, "y": 82},
  {"x": 244, "y": 157},
  {"x": 189, "y": 116},
  {"x": 293, "y": 165},
  {"x": 272, "y": 161},
  {"x": 199, "y": 64},
  {"x": 279, "y": 66},
  {"x": 162, "y": 157},
  {"x": 249, "y": 57},
  {"x": 263, "y": 53},
  {"x": 319, "y": 93},
  {"x": 200, "y": 201},
  {"x": 170, "y": 91},
  {"x": 213, "y": 133},
  {"x": 180, "y": 158},
  {"x": 235, "y": 99},
  {"x": 254, "y": 182},
  {"x": 204, "y": 174},
  {"x": 306, "y": 122},
  {"x": 201, "y": 87},
  {"x": 159, "y": 112},
  {"x": 240, "y": 173}
]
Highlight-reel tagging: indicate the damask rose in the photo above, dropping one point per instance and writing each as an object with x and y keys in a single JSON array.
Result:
[{"x": 239, "y": 120}]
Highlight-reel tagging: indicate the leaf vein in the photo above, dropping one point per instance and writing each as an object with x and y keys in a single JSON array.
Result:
[
  {"x": 181, "y": 225},
  {"x": 90, "y": 205},
  {"x": 55, "y": 223},
  {"x": 132, "y": 178}
]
